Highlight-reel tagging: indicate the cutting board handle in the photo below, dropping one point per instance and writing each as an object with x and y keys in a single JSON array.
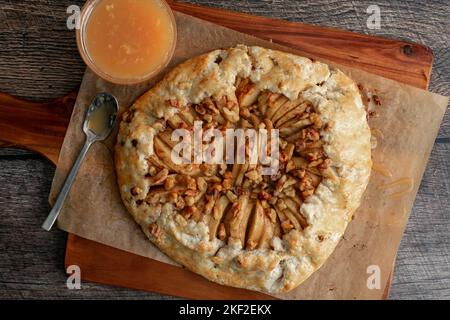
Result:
[{"x": 35, "y": 126}]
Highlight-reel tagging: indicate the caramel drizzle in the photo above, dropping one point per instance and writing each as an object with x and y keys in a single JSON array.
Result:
[
  {"x": 253, "y": 218},
  {"x": 398, "y": 220},
  {"x": 377, "y": 133},
  {"x": 114, "y": 219}
]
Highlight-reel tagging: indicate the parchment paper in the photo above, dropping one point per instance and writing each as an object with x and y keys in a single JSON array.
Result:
[{"x": 408, "y": 120}]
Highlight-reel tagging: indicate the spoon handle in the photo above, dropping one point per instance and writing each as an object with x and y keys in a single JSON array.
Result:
[{"x": 54, "y": 213}]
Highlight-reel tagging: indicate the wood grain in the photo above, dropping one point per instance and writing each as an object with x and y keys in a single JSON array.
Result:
[
  {"x": 406, "y": 62},
  {"x": 31, "y": 259},
  {"x": 37, "y": 62}
]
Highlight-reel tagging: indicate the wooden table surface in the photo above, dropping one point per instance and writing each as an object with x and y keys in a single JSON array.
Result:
[{"x": 39, "y": 60}]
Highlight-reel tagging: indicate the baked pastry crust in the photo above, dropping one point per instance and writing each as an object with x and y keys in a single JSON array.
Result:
[{"x": 221, "y": 228}]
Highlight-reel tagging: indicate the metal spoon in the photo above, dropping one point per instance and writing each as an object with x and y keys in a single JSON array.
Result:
[{"x": 99, "y": 121}]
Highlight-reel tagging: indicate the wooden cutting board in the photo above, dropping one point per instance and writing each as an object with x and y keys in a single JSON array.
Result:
[{"x": 405, "y": 62}]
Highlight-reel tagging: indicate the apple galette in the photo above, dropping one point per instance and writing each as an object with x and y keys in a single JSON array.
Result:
[{"x": 231, "y": 222}]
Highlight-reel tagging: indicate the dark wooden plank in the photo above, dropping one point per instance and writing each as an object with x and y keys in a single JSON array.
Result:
[{"x": 422, "y": 270}]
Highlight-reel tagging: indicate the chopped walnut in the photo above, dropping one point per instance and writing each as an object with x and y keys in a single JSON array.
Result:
[
  {"x": 231, "y": 115},
  {"x": 300, "y": 145},
  {"x": 209, "y": 119},
  {"x": 328, "y": 126},
  {"x": 290, "y": 166},
  {"x": 209, "y": 104},
  {"x": 244, "y": 112},
  {"x": 227, "y": 181},
  {"x": 312, "y": 156},
  {"x": 235, "y": 210},
  {"x": 190, "y": 201},
  {"x": 187, "y": 181},
  {"x": 281, "y": 204},
  {"x": 376, "y": 100},
  {"x": 200, "y": 109},
  {"x": 191, "y": 193},
  {"x": 128, "y": 116},
  {"x": 308, "y": 192},
  {"x": 217, "y": 188},
  {"x": 228, "y": 175},
  {"x": 269, "y": 124},
  {"x": 271, "y": 213},
  {"x": 254, "y": 176},
  {"x": 217, "y": 260},
  {"x": 159, "y": 125},
  {"x": 152, "y": 171},
  {"x": 283, "y": 156},
  {"x": 315, "y": 163},
  {"x": 227, "y": 184},
  {"x": 201, "y": 184},
  {"x": 173, "y": 197},
  {"x": 276, "y": 176},
  {"x": 300, "y": 173},
  {"x": 305, "y": 183},
  {"x": 174, "y": 103}
]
